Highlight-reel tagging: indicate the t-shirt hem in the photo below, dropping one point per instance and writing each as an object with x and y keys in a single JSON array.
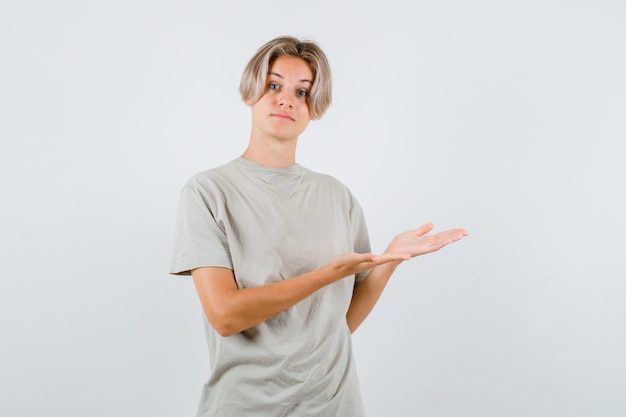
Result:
[{"x": 187, "y": 267}]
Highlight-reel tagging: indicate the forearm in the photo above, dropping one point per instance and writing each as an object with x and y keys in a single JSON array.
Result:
[
  {"x": 231, "y": 310},
  {"x": 367, "y": 293},
  {"x": 411, "y": 243}
]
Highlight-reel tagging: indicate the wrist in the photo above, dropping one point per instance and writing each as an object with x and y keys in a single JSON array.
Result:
[{"x": 390, "y": 266}]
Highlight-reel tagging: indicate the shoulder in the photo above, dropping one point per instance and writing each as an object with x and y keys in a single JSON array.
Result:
[
  {"x": 329, "y": 184},
  {"x": 212, "y": 178}
]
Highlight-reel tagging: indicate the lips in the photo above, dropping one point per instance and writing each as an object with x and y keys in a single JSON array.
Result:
[{"x": 283, "y": 116}]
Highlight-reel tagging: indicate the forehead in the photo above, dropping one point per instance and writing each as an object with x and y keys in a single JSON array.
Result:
[{"x": 291, "y": 67}]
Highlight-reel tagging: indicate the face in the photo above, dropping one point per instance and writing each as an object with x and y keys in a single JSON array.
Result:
[{"x": 282, "y": 112}]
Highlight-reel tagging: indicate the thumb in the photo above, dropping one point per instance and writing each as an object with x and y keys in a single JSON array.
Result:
[{"x": 422, "y": 230}]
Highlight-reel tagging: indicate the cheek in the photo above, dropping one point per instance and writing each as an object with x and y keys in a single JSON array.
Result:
[
  {"x": 309, "y": 108},
  {"x": 305, "y": 108}
]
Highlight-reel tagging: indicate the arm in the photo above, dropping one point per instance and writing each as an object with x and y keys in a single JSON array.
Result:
[
  {"x": 231, "y": 310},
  {"x": 414, "y": 242}
]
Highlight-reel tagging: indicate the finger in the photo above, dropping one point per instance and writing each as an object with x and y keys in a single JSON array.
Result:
[
  {"x": 447, "y": 237},
  {"x": 390, "y": 257},
  {"x": 457, "y": 234},
  {"x": 365, "y": 257},
  {"x": 384, "y": 258},
  {"x": 422, "y": 230},
  {"x": 453, "y": 232}
]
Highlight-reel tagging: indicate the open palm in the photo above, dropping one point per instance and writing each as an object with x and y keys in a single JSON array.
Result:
[{"x": 418, "y": 242}]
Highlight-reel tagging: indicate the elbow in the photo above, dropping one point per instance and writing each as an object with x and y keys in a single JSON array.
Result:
[
  {"x": 224, "y": 329},
  {"x": 223, "y": 323}
]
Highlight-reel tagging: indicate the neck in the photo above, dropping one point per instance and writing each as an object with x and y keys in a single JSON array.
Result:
[{"x": 271, "y": 153}]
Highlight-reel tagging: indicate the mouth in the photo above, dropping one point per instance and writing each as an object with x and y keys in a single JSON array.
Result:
[{"x": 283, "y": 116}]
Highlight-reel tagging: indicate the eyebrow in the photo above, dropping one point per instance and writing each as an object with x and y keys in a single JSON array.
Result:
[{"x": 280, "y": 76}]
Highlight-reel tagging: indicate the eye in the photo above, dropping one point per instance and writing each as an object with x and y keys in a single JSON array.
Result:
[
  {"x": 272, "y": 86},
  {"x": 302, "y": 93}
]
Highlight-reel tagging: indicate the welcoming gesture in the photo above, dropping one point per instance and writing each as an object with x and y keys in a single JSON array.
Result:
[
  {"x": 280, "y": 255},
  {"x": 417, "y": 242},
  {"x": 409, "y": 244}
]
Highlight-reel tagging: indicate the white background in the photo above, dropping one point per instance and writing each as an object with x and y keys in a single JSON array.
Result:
[{"x": 506, "y": 118}]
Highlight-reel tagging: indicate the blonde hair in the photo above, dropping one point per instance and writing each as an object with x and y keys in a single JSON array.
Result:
[{"x": 254, "y": 77}]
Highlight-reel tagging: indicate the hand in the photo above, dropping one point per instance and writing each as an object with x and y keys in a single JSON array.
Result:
[
  {"x": 352, "y": 263},
  {"x": 417, "y": 242}
]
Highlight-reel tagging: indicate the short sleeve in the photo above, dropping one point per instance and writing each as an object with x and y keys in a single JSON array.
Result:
[
  {"x": 199, "y": 239},
  {"x": 360, "y": 236}
]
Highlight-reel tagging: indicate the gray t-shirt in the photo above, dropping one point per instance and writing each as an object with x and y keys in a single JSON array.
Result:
[{"x": 268, "y": 225}]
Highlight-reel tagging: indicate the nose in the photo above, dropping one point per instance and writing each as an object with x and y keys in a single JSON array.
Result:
[{"x": 284, "y": 100}]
